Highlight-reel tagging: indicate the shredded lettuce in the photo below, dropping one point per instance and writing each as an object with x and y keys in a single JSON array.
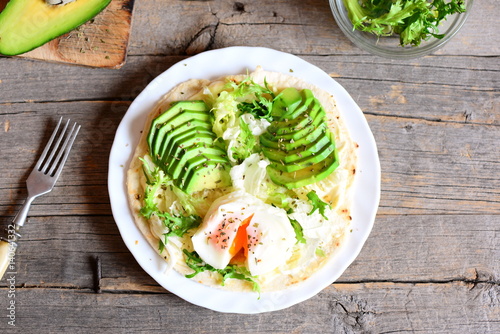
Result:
[
  {"x": 245, "y": 144},
  {"x": 251, "y": 176},
  {"x": 179, "y": 225},
  {"x": 176, "y": 225},
  {"x": 155, "y": 179}
]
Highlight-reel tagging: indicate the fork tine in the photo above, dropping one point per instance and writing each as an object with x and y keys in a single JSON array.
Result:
[
  {"x": 50, "y": 161},
  {"x": 48, "y": 146},
  {"x": 66, "y": 148}
]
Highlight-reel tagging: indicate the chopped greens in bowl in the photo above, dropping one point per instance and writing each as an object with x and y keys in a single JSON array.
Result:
[{"x": 400, "y": 28}]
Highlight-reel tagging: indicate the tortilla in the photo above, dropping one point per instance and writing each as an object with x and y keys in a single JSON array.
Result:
[{"x": 336, "y": 189}]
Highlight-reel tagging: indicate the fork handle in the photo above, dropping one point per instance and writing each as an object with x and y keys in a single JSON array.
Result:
[
  {"x": 22, "y": 214},
  {"x": 8, "y": 248},
  {"x": 7, "y": 251}
]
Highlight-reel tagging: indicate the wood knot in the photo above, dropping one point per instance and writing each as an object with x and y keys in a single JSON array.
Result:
[{"x": 239, "y": 7}]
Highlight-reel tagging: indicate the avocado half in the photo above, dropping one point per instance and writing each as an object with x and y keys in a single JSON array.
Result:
[{"x": 27, "y": 24}]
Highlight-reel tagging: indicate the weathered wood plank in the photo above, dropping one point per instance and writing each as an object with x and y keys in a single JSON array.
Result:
[
  {"x": 300, "y": 27},
  {"x": 341, "y": 308},
  {"x": 430, "y": 88},
  {"x": 428, "y": 167},
  {"x": 431, "y": 262},
  {"x": 61, "y": 251}
]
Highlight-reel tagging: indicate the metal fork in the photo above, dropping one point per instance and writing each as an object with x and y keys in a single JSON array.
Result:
[{"x": 40, "y": 181}]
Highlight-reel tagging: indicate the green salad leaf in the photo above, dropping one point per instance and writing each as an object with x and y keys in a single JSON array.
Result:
[
  {"x": 256, "y": 99},
  {"x": 194, "y": 261},
  {"x": 155, "y": 179},
  {"x": 317, "y": 203},
  {"x": 177, "y": 224},
  {"x": 245, "y": 144},
  {"x": 412, "y": 20},
  {"x": 299, "y": 234}
]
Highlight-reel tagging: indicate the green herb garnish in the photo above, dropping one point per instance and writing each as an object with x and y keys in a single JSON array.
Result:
[
  {"x": 299, "y": 234},
  {"x": 261, "y": 98},
  {"x": 245, "y": 144},
  {"x": 194, "y": 261},
  {"x": 317, "y": 203}
]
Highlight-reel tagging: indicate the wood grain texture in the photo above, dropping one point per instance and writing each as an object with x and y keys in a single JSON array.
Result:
[
  {"x": 101, "y": 42},
  {"x": 341, "y": 308},
  {"x": 295, "y": 26},
  {"x": 430, "y": 264}
]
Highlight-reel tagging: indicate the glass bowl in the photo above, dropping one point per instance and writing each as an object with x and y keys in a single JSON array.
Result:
[{"x": 388, "y": 46}]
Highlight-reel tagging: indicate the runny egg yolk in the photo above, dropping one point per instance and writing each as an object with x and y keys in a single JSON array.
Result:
[{"x": 241, "y": 239}]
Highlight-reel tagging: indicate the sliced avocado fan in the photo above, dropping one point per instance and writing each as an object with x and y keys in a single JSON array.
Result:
[
  {"x": 298, "y": 142},
  {"x": 182, "y": 144}
]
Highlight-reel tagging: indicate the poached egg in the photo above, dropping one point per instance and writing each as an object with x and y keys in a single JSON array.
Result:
[{"x": 240, "y": 228}]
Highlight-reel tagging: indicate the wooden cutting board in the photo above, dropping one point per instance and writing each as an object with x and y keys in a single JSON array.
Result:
[{"x": 101, "y": 42}]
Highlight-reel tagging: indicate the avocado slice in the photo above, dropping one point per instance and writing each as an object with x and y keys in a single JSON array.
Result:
[
  {"x": 267, "y": 140},
  {"x": 200, "y": 150},
  {"x": 303, "y": 151},
  {"x": 27, "y": 24},
  {"x": 170, "y": 148},
  {"x": 181, "y": 118},
  {"x": 311, "y": 159},
  {"x": 192, "y": 140},
  {"x": 286, "y": 101},
  {"x": 305, "y": 176},
  {"x": 307, "y": 99},
  {"x": 296, "y": 134},
  {"x": 175, "y": 109},
  {"x": 205, "y": 172},
  {"x": 289, "y": 126},
  {"x": 166, "y": 138}
]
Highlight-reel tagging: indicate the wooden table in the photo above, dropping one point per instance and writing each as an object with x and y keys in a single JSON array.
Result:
[{"x": 431, "y": 264}]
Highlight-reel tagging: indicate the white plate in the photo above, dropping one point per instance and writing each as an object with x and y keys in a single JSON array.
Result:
[{"x": 212, "y": 65}]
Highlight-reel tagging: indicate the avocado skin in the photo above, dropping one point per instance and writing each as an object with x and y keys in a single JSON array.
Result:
[
  {"x": 183, "y": 145},
  {"x": 298, "y": 142},
  {"x": 28, "y": 24}
]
